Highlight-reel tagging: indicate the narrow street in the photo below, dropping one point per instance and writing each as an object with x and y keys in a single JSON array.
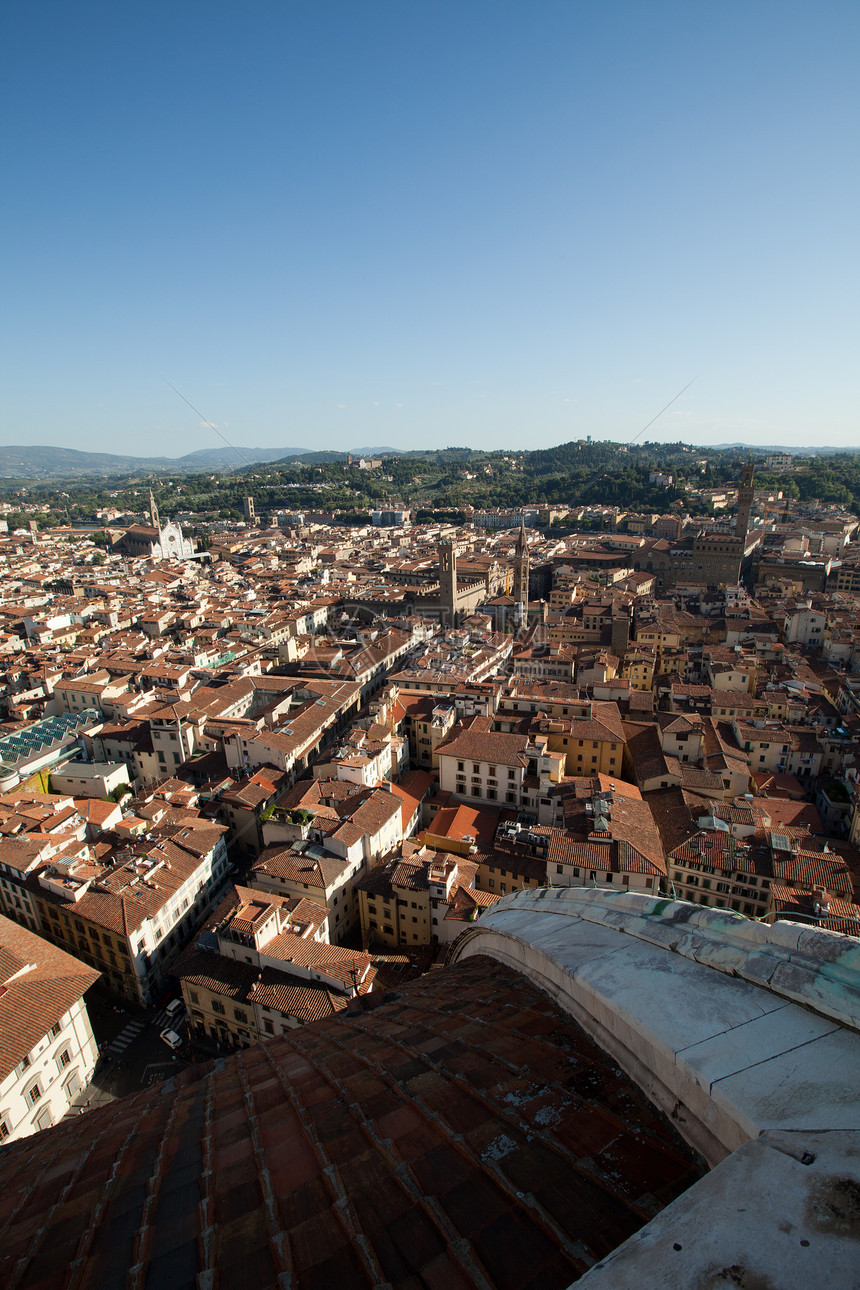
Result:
[{"x": 133, "y": 1054}]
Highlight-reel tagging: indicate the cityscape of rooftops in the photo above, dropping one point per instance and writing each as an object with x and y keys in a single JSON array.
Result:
[{"x": 430, "y": 838}]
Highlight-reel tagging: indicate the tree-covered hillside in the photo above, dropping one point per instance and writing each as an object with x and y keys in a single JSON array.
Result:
[{"x": 572, "y": 475}]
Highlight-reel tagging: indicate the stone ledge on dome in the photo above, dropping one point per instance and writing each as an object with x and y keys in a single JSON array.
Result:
[
  {"x": 811, "y": 966},
  {"x": 782, "y": 1213},
  {"x": 746, "y": 1037}
]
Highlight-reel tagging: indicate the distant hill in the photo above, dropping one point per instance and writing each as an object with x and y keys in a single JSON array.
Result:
[
  {"x": 793, "y": 449},
  {"x": 42, "y": 462},
  {"x": 376, "y": 452},
  {"x": 39, "y": 462},
  {"x": 19, "y": 461},
  {"x": 309, "y": 458},
  {"x": 228, "y": 458}
]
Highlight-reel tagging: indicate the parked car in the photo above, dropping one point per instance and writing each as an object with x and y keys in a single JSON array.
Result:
[
  {"x": 175, "y": 1009},
  {"x": 171, "y": 1038}
]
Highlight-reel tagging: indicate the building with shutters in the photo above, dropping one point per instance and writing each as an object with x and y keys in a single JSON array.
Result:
[{"x": 47, "y": 1049}]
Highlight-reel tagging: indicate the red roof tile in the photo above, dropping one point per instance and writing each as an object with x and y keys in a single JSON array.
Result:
[{"x": 467, "y": 1133}]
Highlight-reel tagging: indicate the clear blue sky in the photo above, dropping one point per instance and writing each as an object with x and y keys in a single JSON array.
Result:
[{"x": 347, "y": 223}]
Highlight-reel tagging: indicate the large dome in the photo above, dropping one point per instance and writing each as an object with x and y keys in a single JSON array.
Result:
[{"x": 468, "y": 1132}]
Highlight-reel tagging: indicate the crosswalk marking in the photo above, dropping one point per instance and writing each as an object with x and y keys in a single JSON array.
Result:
[
  {"x": 125, "y": 1037},
  {"x": 161, "y": 1021}
]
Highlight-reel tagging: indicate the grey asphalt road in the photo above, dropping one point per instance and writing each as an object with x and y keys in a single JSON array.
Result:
[{"x": 133, "y": 1055}]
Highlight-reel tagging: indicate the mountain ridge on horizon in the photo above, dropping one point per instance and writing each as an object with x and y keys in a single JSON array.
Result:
[{"x": 44, "y": 461}]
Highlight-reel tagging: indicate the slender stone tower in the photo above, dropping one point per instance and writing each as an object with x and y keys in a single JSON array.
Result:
[
  {"x": 521, "y": 575},
  {"x": 746, "y": 497},
  {"x": 448, "y": 582}
]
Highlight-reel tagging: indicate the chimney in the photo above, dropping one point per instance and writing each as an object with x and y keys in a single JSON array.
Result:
[{"x": 820, "y": 902}]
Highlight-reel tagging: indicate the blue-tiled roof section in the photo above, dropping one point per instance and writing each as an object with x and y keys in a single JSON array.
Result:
[{"x": 43, "y": 735}]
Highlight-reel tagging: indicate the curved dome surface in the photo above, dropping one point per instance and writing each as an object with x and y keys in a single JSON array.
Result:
[{"x": 477, "y": 1129}]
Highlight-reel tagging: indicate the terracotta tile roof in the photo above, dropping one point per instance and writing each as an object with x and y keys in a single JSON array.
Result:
[
  {"x": 720, "y": 851},
  {"x": 376, "y": 882},
  {"x": 458, "y": 820},
  {"x": 646, "y": 752},
  {"x": 842, "y": 915},
  {"x": 332, "y": 960},
  {"x": 411, "y": 788},
  {"x": 465, "y": 1134},
  {"x": 94, "y": 810},
  {"x": 483, "y": 746},
  {"x": 701, "y": 779},
  {"x": 410, "y": 877},
  {"x": 309, "y": 793},
  {"x": 23, "y": 854},
  {"x": 370, "y": 810},
  {"x": 207, "y": 971},
  {"x": 814, "y": 869},
  {"x": 32, "y": 1001},
  {"x": 246, "y": 983},
  {"x": 526, "y": 867},
  {"x": 607, "y": 857},
  {"x": 464, "y": 903},
  {"x": 629, "y": 818},
  {"x": 241, "y": 899},
  {"x": 783, "y": 813}
]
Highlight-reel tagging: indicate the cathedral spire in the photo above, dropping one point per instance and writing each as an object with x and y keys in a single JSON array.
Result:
[{"x": 153, "y": 513}]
